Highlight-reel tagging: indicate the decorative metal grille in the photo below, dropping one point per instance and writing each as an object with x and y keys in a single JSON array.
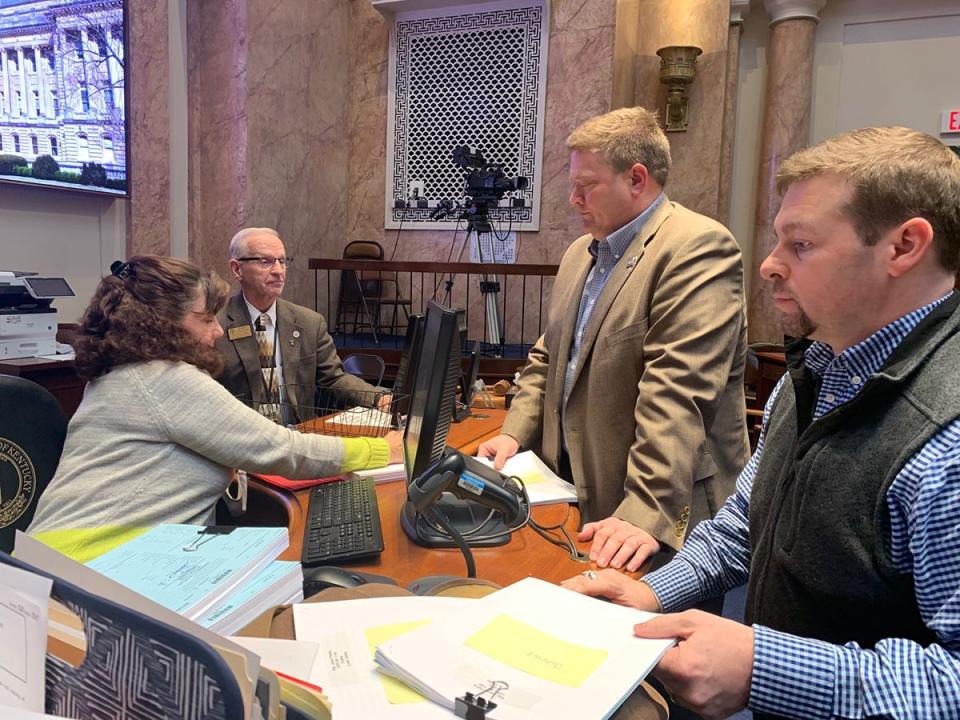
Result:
[{"x": 474, "y": 78}]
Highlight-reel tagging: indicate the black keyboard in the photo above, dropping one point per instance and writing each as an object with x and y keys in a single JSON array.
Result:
[{"x": 343, "y": 523}]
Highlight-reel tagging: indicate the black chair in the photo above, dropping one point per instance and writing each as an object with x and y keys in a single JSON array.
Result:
[
  {"x": 32, "y": 429},
  {"x": 368, "y": 367},
  {"x": 364, "y": 294}
]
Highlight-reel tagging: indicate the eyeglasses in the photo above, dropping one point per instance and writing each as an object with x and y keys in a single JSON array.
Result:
[{"x": 267, "y": 263}]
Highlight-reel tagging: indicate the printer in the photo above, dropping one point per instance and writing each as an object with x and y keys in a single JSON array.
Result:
[{"x": 28, "y": 324}]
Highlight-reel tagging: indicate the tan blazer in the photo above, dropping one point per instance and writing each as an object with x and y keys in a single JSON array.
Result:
[
  {"x": 307, "y": 354},
  {"x": 655, "y": 420}
]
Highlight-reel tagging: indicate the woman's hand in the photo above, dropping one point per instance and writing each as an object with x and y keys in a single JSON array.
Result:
[{"x": 394, "y": 440}]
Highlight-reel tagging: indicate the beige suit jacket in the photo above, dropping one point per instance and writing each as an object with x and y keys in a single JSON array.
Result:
[
  {"x": 655, "y": 420},
  {"x": 307, "y": 355}
]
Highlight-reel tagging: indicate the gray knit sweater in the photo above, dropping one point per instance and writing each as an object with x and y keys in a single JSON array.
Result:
[{"x": 155, "y": 443}]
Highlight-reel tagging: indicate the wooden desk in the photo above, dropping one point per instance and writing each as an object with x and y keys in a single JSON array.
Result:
[
  {"x": 57, "y": 376},
  {"x": 526, "y": 553}
]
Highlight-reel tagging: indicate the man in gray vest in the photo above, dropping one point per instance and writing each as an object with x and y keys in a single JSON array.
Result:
[{"x": 846, "y": 521}]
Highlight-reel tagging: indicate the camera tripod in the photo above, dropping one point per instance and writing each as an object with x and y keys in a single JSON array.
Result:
[{"x": 478, "y": 224}]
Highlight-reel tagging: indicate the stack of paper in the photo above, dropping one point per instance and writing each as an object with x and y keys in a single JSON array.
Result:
[
  {"x": 194, "y": 570},
  {"x": 347, "y": 634},
  {"x": 279, "y": 583},
  {"x": 534, "y": 649},
  {"x": 542, "y": 484},
  {"x": 387, "y": 473}
]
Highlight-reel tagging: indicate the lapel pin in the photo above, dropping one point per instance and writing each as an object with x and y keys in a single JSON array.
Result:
[{"x": 632, "y": 260}]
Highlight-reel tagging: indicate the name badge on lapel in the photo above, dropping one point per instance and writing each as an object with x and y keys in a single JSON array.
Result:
[{"x": 239, "y": 332}]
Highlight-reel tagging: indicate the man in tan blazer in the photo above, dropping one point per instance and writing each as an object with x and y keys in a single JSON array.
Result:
[
  {"x": 635, "y": 390},
  {"x": 306, "y": 357}
]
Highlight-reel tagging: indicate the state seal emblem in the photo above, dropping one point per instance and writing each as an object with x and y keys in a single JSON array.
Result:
[{"x": 17, "y": 482}]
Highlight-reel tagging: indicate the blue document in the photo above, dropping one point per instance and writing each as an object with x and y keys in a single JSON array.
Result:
[
  {"x": 278, "y": 583},
  {"x": 188, "y": 568}
]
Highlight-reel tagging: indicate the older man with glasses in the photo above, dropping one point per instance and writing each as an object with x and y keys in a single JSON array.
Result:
[{"x": 274, "y": 350}]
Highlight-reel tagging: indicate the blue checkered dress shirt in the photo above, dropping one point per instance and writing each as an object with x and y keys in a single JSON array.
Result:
[
  {"x": 606, "y": 254},
  {"x": 803, "y": 678}
]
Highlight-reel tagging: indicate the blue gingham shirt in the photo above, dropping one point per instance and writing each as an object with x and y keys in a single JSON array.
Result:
[
  {"x": 606, "y": 254},
  {"x": 804, "y": 678}
]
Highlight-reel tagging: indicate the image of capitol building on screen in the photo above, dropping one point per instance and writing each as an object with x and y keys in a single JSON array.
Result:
[{"x": 62, "y": 103}]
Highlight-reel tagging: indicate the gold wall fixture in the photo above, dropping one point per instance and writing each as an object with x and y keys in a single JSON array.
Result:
[{"x": 677, "y": 69}]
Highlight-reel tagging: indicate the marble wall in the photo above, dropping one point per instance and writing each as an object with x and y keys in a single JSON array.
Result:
[
  {"x": 216, "y": 127},
  {"x": 579, "y": 85},
  {"x": 268, "y": 107},
  {"x": 645, "y": 27},
  {"x": 288, "y": 110},
  {"x": 148, "y": 211}
]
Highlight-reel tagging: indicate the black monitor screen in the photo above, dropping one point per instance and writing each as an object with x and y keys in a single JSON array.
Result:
[
  {"x": 409, "y": 361},
  {"x": 48, "y": 287},
  {"x": 434, "y": 390}
]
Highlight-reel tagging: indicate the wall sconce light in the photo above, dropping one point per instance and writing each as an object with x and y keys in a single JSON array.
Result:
[{"x": 677, "y": 68}]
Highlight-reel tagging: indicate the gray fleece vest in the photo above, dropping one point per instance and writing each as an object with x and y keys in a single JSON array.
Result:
[{"x": 818, "y": 516}]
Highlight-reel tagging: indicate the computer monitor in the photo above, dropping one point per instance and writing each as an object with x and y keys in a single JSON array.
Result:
[
  {"x": 425, "y": 436},
  {"x": 409, "y": 361},
  {"x": 467, "y": 385}
]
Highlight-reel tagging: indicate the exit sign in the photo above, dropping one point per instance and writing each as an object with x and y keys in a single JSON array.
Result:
[{"x": 950, "y": 121}]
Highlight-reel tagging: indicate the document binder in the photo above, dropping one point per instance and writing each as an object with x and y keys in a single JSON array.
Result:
[{"x": 136, "y": 667}]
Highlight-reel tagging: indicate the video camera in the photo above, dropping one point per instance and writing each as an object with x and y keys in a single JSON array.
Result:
[{"x": 487, "y": 183}]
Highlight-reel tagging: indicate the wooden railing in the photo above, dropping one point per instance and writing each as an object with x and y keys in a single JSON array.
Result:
[{"x": 374, "y": 320}]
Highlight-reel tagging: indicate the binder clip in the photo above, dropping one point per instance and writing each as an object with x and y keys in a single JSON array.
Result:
[
  {"x": 472, "y": 707},
  {"x": 205, "y": 535}
]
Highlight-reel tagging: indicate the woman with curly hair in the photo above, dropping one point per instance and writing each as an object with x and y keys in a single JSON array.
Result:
[{"x": 156, "y": 437}]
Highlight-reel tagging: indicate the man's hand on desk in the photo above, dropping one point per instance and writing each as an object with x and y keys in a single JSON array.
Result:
[
  {"x": 384, "y": 401},
  {"x": 615, "y": 587},
  {"x": 618, "y": 544},
  {"x": 394, "y": 439},
  {"x": 501, "y": 448}
]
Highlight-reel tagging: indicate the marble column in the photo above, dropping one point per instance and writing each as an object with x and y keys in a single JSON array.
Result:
[
  {"x": 23, "y": 107},
  {"x": 7, "y": 87},
  {"x": 738, "y": 11},
  {"x": 41, "y": 85},
  {"x": 148, "y": 210},
  {"x": 786, "y": 129}
]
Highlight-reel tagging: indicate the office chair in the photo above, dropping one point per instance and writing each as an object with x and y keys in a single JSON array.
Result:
[
  {"x": 364, "y": 294},
  {"x": 368, "y": 367},
  {"x": 32, "y": 430},
  {"x": 135, "y": 666}
]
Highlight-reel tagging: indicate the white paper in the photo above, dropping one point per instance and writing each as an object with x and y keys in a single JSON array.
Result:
[
  {"x": 438, "y": 660},
  {"x": 344, "y": 667},
  {"x": 361, "y": 417},
  {"x": 387, "y": 473},
  {"x": 291, "y": 657},
  {"x": 23, "y": 638},
  {"x": 543, "y": 485}
]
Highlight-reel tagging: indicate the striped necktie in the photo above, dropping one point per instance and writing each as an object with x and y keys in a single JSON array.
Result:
[{"x": 264, "y": 332}]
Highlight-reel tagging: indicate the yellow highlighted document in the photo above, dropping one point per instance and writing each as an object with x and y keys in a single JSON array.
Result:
[
  {"x": 397, "y": 692},
  {"x": 544, "y": 656}
]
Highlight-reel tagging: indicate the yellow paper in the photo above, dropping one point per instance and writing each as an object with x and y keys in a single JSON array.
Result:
[
  {"x": 534, "y": 652},
  {"x": 397, "y": 692}
]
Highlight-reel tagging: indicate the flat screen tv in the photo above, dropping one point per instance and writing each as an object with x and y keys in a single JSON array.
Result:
[{"x": 63, "y": 94}]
